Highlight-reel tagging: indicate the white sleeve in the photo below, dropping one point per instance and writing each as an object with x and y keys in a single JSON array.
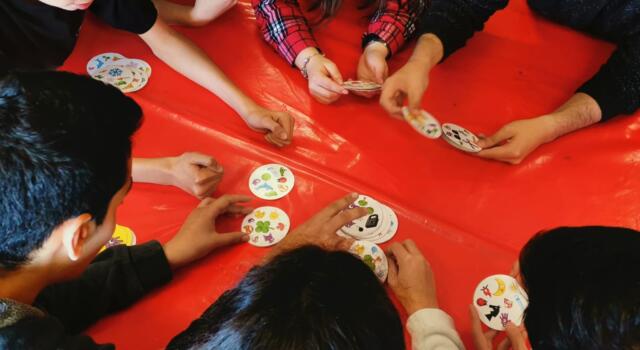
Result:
[{"x": 433, "y": 329}]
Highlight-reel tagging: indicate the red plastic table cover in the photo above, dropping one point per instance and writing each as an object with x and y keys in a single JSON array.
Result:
[{"x": 469, "y": 216}]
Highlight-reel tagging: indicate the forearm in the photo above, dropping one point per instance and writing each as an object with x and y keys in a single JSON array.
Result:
[
  {"x": 173, "y": 13},
  {"x": 580, "y": 111},
  {"x": 185, "y": 57},
  {"x": 428, "y": 52},
  {"x": 152, "y": 170}
]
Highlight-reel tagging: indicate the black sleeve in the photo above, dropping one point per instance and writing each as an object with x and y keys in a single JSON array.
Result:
[
  {"x": 135, "y": 16},
  {"x": 616, "y": 87},
  {"x": 455, "y": 21},
  {"x": 115, "y": 279}
]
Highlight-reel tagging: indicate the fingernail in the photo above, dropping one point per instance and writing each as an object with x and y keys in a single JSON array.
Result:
[
  {"x": 245, "y": 238},
  {"x": 283, "y": 136},
  {"x": 354, "y": 195},
  {"x": 345, "y": 92}
]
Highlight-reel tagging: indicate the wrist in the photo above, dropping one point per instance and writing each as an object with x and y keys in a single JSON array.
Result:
[
  {"x": 428, "y": 52},
  {"x": 172, "y": 257},
  {"x": 303, "y": 55},
  {"x": 377, "y": 48}
]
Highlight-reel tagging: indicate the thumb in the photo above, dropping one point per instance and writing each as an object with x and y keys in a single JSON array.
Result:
[
  {"x": 334, "y": 72},
  {"x": 202, "y": 159},
  {"x": 515, "y": 337},
  {"x": 225, "y": 239},
  {"x": 495, "y": 139}
]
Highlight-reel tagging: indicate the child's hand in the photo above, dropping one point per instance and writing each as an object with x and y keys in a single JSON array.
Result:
[
  {"x": 411, "y": 278},
  {"x": 320, "y": 230},
  {"x": 195, "y": 173},
  {"x": 278, "y": 126},
  {"x": 516, "y": 336},
  {"x": 373, "y": 66},
  {"x": 198, "y": 235},
  {"x": 325, "y": 80}
]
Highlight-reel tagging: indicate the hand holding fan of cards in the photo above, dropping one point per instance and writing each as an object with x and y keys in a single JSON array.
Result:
[{"x": 128, "y": 75}]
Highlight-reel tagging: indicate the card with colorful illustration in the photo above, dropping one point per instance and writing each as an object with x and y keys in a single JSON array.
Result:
[
  {"x": 271, "y": 181},
  {"x": 373, "y": 256},
  {"x": 121, "y": 236},
  {"x": 499, "y": 300},
  {"x": 368, "y": 225},
  {"x": 128, "y": 75},
  {"x": 102, "y": 60},
  {"x": 424, "y": 123},
  {"x": 460, "y": 138},
  {"x": 266, "y": 226},
  {"x": 391, "y": 228}
]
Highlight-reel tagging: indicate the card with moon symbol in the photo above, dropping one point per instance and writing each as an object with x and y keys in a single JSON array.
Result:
[{"x": 499, "y": 300}]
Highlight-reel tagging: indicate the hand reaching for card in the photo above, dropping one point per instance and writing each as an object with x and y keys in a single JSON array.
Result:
[
  {"x": 320, "y": 230},
  {"x": 278, "y": 126},
  {"x": 410, "y": 83},
  {"x": 373, "y": 66},
  {"x": 410, "y": 277},
  {"x": 325, "y": 80},
  {"x": 516, "y": 338},
  {"x": 198, "y": 236},
  {"x": 195, "y": 173},
  {"x": 513, "y": 142}
]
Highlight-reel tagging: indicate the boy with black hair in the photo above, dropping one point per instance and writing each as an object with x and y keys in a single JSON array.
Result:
[
  {"x": 64, "y": 169},
  {"x": 40, "y": 34}
]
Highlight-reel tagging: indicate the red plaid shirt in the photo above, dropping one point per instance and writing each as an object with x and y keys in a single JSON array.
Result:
[{"x": 286, "y": 29}]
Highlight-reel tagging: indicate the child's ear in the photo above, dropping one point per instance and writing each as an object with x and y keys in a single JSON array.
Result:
[{"x": 75, "y": 234}]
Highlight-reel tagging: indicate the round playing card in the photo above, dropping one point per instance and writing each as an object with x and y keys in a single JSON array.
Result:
[
  {"x": 391, "y": 228},
  {"x": 369, "y": 224},
  {"x": 499, "y": 299},
  {"x": 266, "y": 226},
  {"x": 372, "y": 256},
  {"x": 360, "y": 85},
  {"x": 121, "y": 235},
  {"x": 102, "y": 60},
  {"x": 271, "y": 181},
  {"x": 460, "y": 138},
  {"x": 118, "y": 76},
  {"x": 425, "y": 124},
  {"x": 138, "y": 82},
  {"x": 139, "y": 65}
]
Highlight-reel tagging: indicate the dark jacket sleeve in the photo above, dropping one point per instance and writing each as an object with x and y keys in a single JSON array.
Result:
[
  {"x": 616, "y": 87},
  {"x": 455, "y": 21},
  {"x": 114, "y": 280}
]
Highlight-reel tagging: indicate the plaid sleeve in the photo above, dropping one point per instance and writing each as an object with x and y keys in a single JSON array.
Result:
[
  {"x": 395, "y": 22},
  {"x": 284, "y": 27}
]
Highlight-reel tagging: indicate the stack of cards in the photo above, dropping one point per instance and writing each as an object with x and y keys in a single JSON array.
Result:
[
  {"x": 372, "y": 256},
  {"x": 379, "y": 226},
  {"x": 499, "y": 300},
  {"x": 455, "y": 135},
  {"x": 362, "y": 86},
  {"x": 266, "y": 226},
  {"x": 271, "y": 181},
  {"x": 128, "y": 75},
  {"x": 121, "y": 235}
]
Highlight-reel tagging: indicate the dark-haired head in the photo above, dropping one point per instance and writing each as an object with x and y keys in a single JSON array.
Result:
[
  {"x": 64, "y": 151},
  {"x": 584, "y": 288},
  {"x": 307, "y": 299}
]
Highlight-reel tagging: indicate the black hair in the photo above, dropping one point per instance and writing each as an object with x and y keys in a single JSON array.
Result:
[
  {"x": 307, "y": 299},
  {"x": 584, "y": 288},
  {"x": 64, "y": 151}
]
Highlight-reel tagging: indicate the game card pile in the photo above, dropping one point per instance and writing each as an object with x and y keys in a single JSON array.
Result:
[
  {"x": 268, "y": 225},
  {"x": 372, "y": 256},
  {"x": 362, "y": 86},
  {"x": 499, "y": 300},
  {"x": 378, "y": 226},
  {"x": 455, "y": 135},
  {"x": 128, "y": 75}
]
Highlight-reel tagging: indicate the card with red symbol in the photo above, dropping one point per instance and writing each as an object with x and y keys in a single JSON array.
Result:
[
  {"x": 266, "y": 226},
  {"x": 499, "y": 300}
]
